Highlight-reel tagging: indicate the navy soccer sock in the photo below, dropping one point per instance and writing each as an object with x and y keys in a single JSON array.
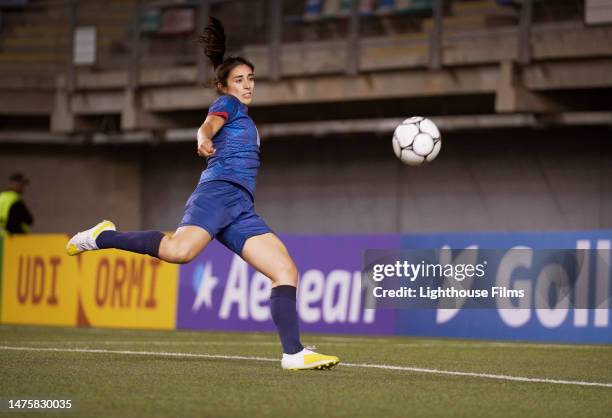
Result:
[
  {"x": 142, "y": 242},
  {"x": 284, "y": 315}
]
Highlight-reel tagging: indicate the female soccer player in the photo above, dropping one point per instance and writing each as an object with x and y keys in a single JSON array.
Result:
[{"x": 222, "y": 204}]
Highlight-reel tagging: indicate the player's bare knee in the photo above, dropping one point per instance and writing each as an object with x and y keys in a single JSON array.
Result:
[
  {"x": 179, "y": 252},
  {"x": 184, "y": 254},
  {"x": 288, "y": 275}
]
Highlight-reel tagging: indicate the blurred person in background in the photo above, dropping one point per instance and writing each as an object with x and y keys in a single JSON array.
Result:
[
  {"x": 15, "y": 218},
  {"x": 222, "y": 205}
]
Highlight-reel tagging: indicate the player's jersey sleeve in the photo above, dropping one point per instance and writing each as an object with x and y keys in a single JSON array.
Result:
[{"x": 225, "y": 107}]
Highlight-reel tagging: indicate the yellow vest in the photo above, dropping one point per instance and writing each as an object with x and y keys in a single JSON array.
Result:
[{"x": 7, "y": 199}]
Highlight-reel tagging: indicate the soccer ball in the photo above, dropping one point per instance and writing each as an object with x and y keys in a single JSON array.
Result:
[{"x": 417, "y": 141}]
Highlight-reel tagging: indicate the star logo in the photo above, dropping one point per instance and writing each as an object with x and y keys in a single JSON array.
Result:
[{"x": 203, "y": 285}]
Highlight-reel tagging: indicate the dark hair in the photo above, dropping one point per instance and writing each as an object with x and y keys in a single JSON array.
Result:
[
  {"x": 213, "y": 43},
  {"x": 19, "y": 178}
]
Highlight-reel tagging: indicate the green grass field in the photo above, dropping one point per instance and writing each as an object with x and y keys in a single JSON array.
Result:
[{"x": 118, "y": 373}]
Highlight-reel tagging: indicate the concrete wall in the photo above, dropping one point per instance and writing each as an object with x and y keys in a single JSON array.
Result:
[
  {"x": 480, "y": 182},
  {"x": 516, "y": 180},
  {"x": 500, "y": 181},
  {"x": 73, "y": 187}
]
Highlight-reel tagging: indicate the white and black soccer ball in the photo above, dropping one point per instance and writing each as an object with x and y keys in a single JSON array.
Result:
[{"x": 417, "y": 141}]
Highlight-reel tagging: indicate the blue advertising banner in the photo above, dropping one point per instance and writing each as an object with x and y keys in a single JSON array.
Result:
[
  {"x": 219, "y": 291},
  {"x": 557, "y": 322}
]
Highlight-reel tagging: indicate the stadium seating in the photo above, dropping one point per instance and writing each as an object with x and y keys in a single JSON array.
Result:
[
  {"x": 394, "y": 33},
  {"x": 13, "y": 3},
  {"x": 33, "y": 34},
  {"x": 323, "y": 19},
  {"x": 403, "y": 6},
  {"x": 313, "y": 9},
  {"x": 39, "y": 33},
  {"x": 329, "y": 9},
  {"x": 34, "y": 31}
]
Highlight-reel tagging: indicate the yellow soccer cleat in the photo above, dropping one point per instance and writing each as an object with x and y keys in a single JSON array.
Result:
[
  {"x": 308, "y": 360},
  {"x": 86, "y": 240}
]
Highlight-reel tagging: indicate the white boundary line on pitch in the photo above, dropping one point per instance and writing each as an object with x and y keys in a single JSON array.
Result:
[{"x": 362, "y": 365}]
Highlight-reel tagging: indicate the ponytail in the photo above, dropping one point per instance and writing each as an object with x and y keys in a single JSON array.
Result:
[
  {"x": 213, "y": 44},
  {"x": 213, "y": 41}
]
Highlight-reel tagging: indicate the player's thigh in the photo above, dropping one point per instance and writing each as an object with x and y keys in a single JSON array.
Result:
[
  {"x": 268, "y": 255},
  {"x": 184, "y": 244}
]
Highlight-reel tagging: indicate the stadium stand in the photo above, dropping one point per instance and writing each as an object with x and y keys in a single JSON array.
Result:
[
  {"x": 112, "y": 20},
  {"x": 33, "y": 34},
  {"x": 39, "y": 32},
  {"x": 393, "y": 35},
  {"x": 480, "y": 85}
]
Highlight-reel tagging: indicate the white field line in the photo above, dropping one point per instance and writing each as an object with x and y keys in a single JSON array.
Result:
[{"x": 361, "y": 365}]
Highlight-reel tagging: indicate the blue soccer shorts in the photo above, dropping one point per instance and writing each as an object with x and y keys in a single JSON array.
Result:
[{"x": 226, "y": 211}]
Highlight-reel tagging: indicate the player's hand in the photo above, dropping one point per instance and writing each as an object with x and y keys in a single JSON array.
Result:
[{"x": 205, "y": 148}]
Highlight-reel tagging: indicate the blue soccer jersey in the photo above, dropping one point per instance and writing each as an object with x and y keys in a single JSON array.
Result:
[{"x": 237, "y": 143}]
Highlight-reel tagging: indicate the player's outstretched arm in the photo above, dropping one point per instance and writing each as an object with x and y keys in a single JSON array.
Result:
[{"x": 207, "y": 131}]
